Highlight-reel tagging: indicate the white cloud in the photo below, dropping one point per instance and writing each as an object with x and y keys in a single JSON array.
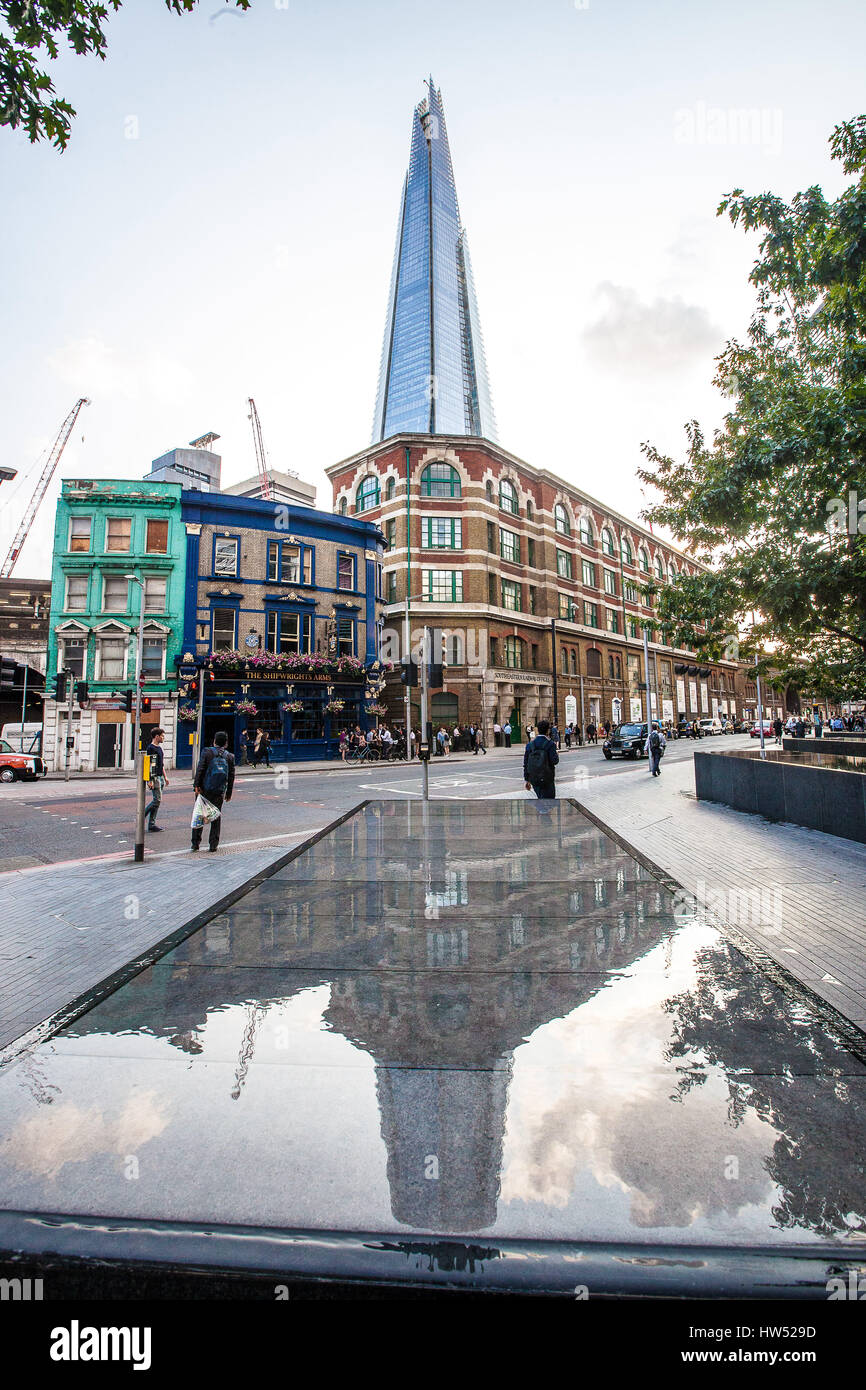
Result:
[{"x": 656, "y": 336}]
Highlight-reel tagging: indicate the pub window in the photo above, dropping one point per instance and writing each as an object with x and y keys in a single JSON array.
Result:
[
  {"x": 223, "y": 623},
  {"x": 345, "y": 637},
  {"x": 225, "y": 557},
  {"x": 345, "y": 571}
]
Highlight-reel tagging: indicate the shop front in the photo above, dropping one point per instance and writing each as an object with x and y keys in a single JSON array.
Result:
[{"x": 302, "y": 711}]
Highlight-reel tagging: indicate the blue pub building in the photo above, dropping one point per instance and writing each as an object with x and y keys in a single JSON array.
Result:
[{"x": 283, "y": 608}]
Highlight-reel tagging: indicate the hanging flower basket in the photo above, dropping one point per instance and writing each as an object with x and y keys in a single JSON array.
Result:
[
  {"x": 247, "y": 707},
  {"x": 187, "y": 713},
  {"x": 292, "y": 707},
  {"x": 296, "y": 664},
  {"x": 377, "y": 709},
  {"x": 335, "y": 706}
]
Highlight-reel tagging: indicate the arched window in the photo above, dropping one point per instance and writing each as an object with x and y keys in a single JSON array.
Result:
[
  {"x": 626, "y": 551},
  {"x": 610, "y": 667},
  {"x": 573, "y": 662},
  {"x": 367, "y": 495},
  {"x": 390, "y": 489},
  {"x": 618, "y": 668},
  {"x": 607, "y": 542},
  {"x": 660, "y": 569},
  {"x": 440, "y": 480},
  {"x": 454, "y": 649},
  {"x": 508, "y": 496},
  {"x": 673, "y": 574},
  {"x": 561, "y": 521},
  {"x": 586, "y": 536},
  {"x": 593, "y": 661},
  {"x": 528, "y": 511},
  {"x": 514, "y": 653},
  {"x": 643, "y": 560},
  {"x": 344, "y": 506},
  {"x": 564, "y": 655},
  {"x": 488, "y": 488}
]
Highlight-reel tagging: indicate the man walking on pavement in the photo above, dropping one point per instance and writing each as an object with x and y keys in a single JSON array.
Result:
[
  {"x": 539, "y": 762},
  {"x": 778, "y": 728},
  {"x": 657, "y": 745},
  {"x": 214, "y": 780},
  {"x": 158, "y": 779}
]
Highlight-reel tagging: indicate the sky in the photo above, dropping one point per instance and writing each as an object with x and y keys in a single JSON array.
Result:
[{"x": 222, "y": 223}]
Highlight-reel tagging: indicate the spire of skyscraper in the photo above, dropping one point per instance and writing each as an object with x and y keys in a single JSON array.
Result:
[{"x": 433, "y": 374}]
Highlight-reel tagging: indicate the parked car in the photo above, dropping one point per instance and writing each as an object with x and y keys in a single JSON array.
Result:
[
  {"x": 711, "y": 726},
  {"x": 14, "y": 765},
  {"x": 625, "y": 741},
  {"x": 755, "y": 731}
]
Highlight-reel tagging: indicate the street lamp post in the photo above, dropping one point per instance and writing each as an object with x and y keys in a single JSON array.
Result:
[{"x": 139, "y": 752}]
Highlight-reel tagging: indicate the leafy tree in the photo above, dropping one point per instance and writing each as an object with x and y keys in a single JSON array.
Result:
[
  {"x": 776, "y": 502},
  {"x": 26, "y": 92}
]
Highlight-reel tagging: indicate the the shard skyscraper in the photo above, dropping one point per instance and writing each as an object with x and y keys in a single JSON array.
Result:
[{"x": 433, "y": 374}]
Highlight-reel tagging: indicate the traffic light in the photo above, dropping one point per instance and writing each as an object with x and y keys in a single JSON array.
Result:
[
  {"x": 8, "y": 668},
  {"x": 59, "y": 691},
  {"x": 436, "y": 662},
  {"x": 81, "y": 694},
  {"x": 145, "y": 704},
  {"x": 129, "y": 700},
  {"x": 409, "y": 671}
]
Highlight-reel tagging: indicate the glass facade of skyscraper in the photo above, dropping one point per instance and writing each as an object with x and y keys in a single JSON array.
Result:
[{"x": 433, "y": 374}]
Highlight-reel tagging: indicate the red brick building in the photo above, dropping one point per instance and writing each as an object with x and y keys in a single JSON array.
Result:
[{"x": 526, "y": 574}]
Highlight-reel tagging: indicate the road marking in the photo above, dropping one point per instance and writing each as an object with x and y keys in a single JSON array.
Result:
[{"x": 161, "y": 854}]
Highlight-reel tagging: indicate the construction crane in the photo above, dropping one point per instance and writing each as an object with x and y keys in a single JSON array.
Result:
[
  {"x": 41, "y": 488},
  {"x": 261, "y": 460}
]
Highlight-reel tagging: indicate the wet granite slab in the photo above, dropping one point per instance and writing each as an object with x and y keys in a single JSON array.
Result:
[{"x": 618, "y": 1074}]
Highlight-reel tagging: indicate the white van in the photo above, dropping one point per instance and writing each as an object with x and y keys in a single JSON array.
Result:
[
  {"x": 711, "y": 726},
  {"x": 24, "y": 738}
]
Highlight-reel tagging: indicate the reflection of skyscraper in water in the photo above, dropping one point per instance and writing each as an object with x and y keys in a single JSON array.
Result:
[{"x": 443, "y": 1131}]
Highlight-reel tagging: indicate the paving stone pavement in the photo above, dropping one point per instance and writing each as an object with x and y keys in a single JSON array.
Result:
[
  {"x": 64, "y": 930},
  {"x": 797, "y": 894}
]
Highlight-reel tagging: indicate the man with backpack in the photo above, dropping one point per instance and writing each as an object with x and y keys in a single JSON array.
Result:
[
  {"x": 539, "y": 761},
  {"x": 214, "y": 780},
  {"x": 657, "y": 744}
]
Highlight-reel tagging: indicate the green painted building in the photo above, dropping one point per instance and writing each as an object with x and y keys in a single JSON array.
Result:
[{"x": 105, "y": 531}]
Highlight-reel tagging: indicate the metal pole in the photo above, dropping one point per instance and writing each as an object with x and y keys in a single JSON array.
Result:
[
  {"x": 649, "y": 713},
  {"x": 407, "y": 641},
  {"x": 196, "y": 747},
  {"x": 139, "y": 752},
  {"x": 582, "y": 710},
  {"x": 68, "y": 675},
  {"x": 425, "y": 765},
  {"x": 24, "y": 708},
  {"x": 553, "y": 657},
  {"x": 760, "y": 708},
  {"x": 407, "y": 630}
]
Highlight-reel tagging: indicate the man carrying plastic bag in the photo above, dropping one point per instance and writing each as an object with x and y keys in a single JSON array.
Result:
[{"x": 213, "y": 783}]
